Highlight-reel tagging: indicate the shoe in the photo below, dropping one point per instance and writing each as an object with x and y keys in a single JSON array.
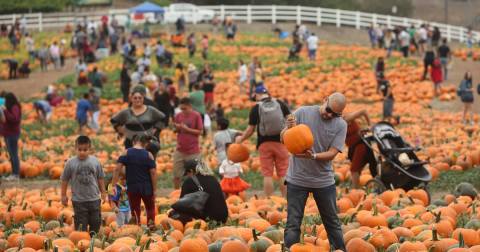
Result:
[{"x": 12, "y": 178}]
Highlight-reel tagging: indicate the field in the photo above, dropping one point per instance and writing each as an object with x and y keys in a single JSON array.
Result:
[{"x": 395, "y": 220}]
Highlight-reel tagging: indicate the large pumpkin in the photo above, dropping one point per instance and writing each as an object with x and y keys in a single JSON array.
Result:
[
  {"x": 298, "y": 139},
  {"x": 237, "y": 153}
]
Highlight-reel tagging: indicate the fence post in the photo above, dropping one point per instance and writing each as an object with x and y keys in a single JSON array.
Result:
[
  {"x": 389, "y": 21},
  {"x": 319, "y": 16},
  {"x": 249, "y": 14},
  {"x": 274, "y": 14},
  {"x": 222, "y": 12},
  {"x": 13, "y": 19},
  {"x": 449, "y": 34},
  {"x": 338, "y": 18},
  {"x": 299, "y": 15},
  {"x": 357, "y": 20},
  {"x": 405, "y": 22},
  {"x": 374, "y": 19},
  {"x": 40, "y": 21}
]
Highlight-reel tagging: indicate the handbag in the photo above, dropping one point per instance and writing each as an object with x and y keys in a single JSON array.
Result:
[
  {"x": 192, "y": 203},
  {"x": 153, "y": 143}
]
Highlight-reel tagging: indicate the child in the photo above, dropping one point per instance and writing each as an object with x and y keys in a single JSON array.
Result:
[
  {"x": 69, "y": 93},
  {"x": 43, "y": 110},
  {"x": 119, "y": 201},
  {"x": 205, "y": 47},
  {"x": 436, "y": 76},
  {"x": 231, "y": 182},
  {"x": 83, "y": 110},
  {"x": 222, "y": 137},
  {"x": 85, "y": 175}
]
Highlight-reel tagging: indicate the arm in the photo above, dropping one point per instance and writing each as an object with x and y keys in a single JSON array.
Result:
[
  {"x": 357, "y": 114},
  {"x": 246, "y": 134},
  {"x": 188, "y": 130},
  {"x": 101, "y": 186},
  {"x": 64, "y": 192},
  {"x": 153, "y": 177}
]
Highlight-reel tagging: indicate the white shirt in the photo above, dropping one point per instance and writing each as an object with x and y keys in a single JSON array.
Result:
[
  {"x": 229, "y": 169},
  {"x": 422, "y": 33},
  {"x": 312, "y": 42},
  {"x": 404, "y": 39},
  {"x": 135, "y": 78},
  {"x": 148, "y": 51},
  {"x": 54, "y": 51},
  {"x": 242, "y": 73},
  {"x": 30, "y": 44}
]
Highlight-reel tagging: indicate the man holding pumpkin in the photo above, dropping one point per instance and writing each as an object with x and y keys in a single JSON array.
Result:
[{"x": 311, "y": 171}]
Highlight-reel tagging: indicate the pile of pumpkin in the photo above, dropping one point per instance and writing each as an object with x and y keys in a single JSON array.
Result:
[{"x": 35, "y": 220}]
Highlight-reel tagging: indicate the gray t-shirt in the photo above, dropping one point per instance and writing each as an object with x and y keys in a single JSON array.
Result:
[
  {"x": 151, "y": 119},
  {"x": 221, "y": 138},
  {"x": 83, "y": 176},
  {"x": 326, "y": 134}
]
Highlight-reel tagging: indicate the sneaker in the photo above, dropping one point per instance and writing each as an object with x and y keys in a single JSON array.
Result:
[{"x": 12, "y": 178}]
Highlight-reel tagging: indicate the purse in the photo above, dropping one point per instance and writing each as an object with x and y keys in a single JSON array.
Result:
[{"x": 192, "y": 203}]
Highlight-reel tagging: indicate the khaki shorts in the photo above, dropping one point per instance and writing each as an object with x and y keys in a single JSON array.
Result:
[{"x": 178, "y": 161}]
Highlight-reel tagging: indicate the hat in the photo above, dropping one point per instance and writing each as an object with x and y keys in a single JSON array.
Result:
[
  {"x": 191, "y": 67},
  {"x": 261, "y": 90},
  {"x": 190, "y": 166}
]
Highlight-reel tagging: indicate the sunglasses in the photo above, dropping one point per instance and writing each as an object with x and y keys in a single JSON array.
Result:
[{"x": 330, "y": 111}]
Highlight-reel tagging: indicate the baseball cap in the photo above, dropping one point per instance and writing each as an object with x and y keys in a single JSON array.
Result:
[{"x": 261, "y": 90}]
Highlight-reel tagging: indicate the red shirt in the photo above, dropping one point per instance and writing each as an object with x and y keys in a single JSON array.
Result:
[
  {"x": 353, "y": 136},
  {"x": 13, "y": 118},
  {"x": 436, "y": 72},
  {"x": 188, "y": 143}
]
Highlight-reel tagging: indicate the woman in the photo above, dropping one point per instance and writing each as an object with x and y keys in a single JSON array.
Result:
[
  {"x": 162, "y": 101},
  {"x": 215, "y": 207},
  {"x": 436, "y": 75},
  {"x": 428, "y": 60},
  {"x": 181, "y": 78},
  {"x": 389, "y": 42},
  {"x": 191, "y": 45},
  {"x": 388, "y": 100},
  {"x": 140, "y": 173},
  {"x": 10, "y": 118},
  {"x": 125, "y": 82},
  {"x": 259, "y": 75},
  {"x": 466, "y": 95},
  {"x": 358, "y": 153},
  {"x": 139, "y": 119}
]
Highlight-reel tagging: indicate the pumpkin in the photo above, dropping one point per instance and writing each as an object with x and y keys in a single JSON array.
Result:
[
  {"x": 234, "y": 245},
  {"x": 237, "y": 153},
  {"x": 193, "y": 245},
  {"x": 359, "y": 245},
  {"x": 33, "y": 241},
  {"x": 298, "y": 139}
]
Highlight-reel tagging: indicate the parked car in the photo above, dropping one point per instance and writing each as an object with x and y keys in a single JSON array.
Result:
[{"x": 190, "y": 13}]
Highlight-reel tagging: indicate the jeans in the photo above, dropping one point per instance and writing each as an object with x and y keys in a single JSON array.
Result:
[
  {"x": 95, "y": 125},
  {"x": 87, "y": 214},
  {"x": 444, "y": 62},
  {"x": 252, "y": 86},
  {"x": 12, "y": 147},
  {"x": 123, "y": 218},
  {"x": 312, "y": 54},
  {"x": 327, "y": 206}
]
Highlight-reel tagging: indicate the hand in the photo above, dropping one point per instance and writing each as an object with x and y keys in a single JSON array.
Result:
[
  {"x": 64, "y": 200},
  {"x": 291, "y": 121},
  {"x": 104, "y": 197},
  {"x": 238, "y": 139},
  {"x": 116, "y": 210},
  {"x": 178, "y": 126}
]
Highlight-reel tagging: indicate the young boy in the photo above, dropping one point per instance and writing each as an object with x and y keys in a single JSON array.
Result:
[
  {"x": 83, "y": 110},
  {"x": 85, "y": 175},
  {"x": 119, "y": 201}
]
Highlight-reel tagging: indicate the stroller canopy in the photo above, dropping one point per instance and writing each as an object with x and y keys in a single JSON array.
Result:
[{"x": 147, "y": 7}]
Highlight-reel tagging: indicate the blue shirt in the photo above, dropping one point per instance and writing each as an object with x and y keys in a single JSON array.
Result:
[
  {"x": 120, "y": 198},
  {"x": 82, "y": 108},
  {"x": 160, "y": 50},
  {"x": 138, "y": 164},
  {"x": 44, "y": 106}
]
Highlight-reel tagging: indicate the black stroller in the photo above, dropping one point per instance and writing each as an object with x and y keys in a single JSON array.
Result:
[{"x": 397, "y": 164}]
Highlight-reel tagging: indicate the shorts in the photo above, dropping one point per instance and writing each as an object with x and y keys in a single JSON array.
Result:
[
  {"x": 359, "y": 159},
  {"x": 467, "y": 97},
  {"x": 208, "y": 98},
  {"x": 387, "y": 108},
  {"x": 179, "y": 160},
  {"x": 273, "y": 155}
]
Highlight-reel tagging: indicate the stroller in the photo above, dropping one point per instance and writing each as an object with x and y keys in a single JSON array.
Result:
[{"x": 397, "y": 164}]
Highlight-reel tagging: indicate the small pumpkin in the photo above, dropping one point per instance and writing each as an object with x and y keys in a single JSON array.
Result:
[{"x": 238, "y": 153}]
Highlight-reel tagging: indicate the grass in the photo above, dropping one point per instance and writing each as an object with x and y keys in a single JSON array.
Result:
[
  {"x": 61, "y": 127},
  {"x": 447, "y": 181}
]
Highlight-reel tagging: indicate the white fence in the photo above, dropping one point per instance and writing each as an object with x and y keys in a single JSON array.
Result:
[{"x": 262, "y": 13}]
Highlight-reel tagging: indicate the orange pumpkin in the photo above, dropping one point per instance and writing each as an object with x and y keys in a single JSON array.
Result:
[
  {"x": 237, "y": 153},
  {"x": 298, "y": 139}
]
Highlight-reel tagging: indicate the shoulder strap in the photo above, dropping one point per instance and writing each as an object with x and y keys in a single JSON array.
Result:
[
  {"x": 197, "y": 183},
  {"x": 137, "y": 121}
]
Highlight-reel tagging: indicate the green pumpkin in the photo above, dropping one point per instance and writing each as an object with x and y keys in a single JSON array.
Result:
[
  {"x": 275, "y": 235},
  {"x": 473, "y": 224},
  {"x": 393, "y": 248},
  {"x": 259, "y": 244},
  {"x": 439, "y": 202},
  {"x": 465, "y": 189},
  {"x": 395, "y": 221},
  {"x": 51, "y": 225},
  {"x": 215, "y": 247}
]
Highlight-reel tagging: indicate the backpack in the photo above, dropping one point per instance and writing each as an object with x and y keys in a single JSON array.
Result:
[
  {"x": 461, "y": 88},
  {"x": 271, "y": 119}
]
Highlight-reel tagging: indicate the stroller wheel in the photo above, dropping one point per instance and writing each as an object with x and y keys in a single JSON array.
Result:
[{"x": 375, "y": 185}]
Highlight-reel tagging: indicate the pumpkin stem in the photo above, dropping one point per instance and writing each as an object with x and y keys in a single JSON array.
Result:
[
  {"x": 45, "y": 245},
  {"x": 461, "y": 240},
  {"x": 147, "y": 245},
  {"x": 434, "y": 234},
  {"x": 374, "y": 206},
  {"x": 197, "y": 225},
  {"x": 55, "y": 249},
  {"x": 474, "y": 208},
  {"x": 255, "y": 237},
  {"x": 256, "y": 196},
  {"x": 92, "y": 243},
  {"x": 104, "y": 239},
  {"x": 137, "y": 242},
  {"x": 411, "y": 200},
  {"x": 142, "y": 248},
  {"x": 438, "y": 217},
  {"x": 49, "y": 203},
  {"x": 367, "y": 237},
  {"x": 282, "y": 247},
  {"x": 24, "y": 206},
  {"x": 302, "y": 236}
]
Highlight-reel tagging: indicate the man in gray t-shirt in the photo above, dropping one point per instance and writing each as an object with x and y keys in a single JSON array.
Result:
[{"x": 312, "y": 172}]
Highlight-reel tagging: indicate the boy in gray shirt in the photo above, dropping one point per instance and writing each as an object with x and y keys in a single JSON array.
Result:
[{"x": 85, "y": 175}]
